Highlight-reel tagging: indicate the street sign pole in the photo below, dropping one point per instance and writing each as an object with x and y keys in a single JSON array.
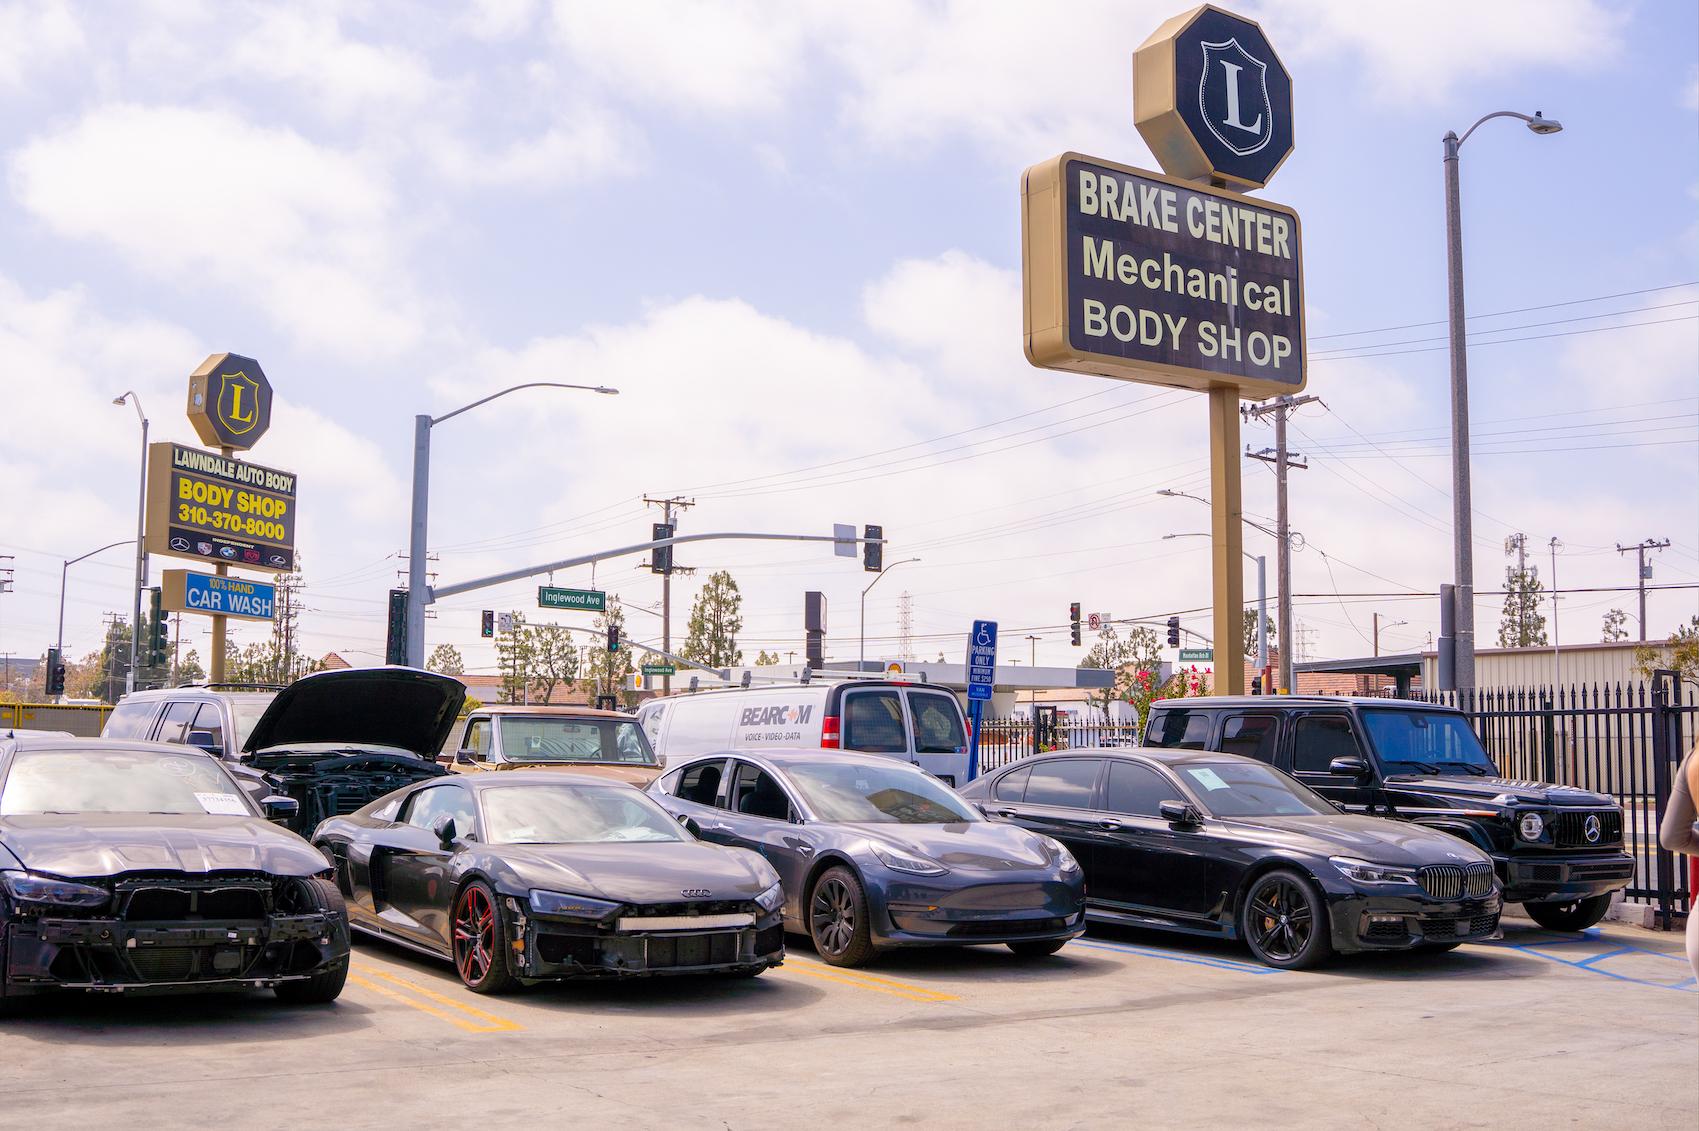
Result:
[
  {"x": 981, "y": 675},
  {"x": 1227, "y": 543}
]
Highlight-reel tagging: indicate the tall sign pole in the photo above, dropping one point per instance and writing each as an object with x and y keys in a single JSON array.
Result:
[{"x": 1178, "y": 278}]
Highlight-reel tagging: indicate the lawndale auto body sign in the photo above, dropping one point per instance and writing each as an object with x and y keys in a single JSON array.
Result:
[
  {"x": 204, "y": 505},
  {"x": 1136, "y": 275}
]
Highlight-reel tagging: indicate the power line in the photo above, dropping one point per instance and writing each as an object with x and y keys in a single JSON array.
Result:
[{"x": 1501, "y": 313}]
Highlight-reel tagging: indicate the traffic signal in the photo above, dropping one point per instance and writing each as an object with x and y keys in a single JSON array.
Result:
[
  {"x": 661, "y": 557},
  {"x": 157, "y": 645},
  {"x": 1173, "y": 632},
  {"x": 1074, "y": 623},
  {"x": 613, "y": 637},
  {"x": 395, "y": 639},
  {"x": 55, "y": 673},
  {"x": 1256, "y": 685},
  {"x": 489, "y": 624},
  {"x": 873, "y": 550}
]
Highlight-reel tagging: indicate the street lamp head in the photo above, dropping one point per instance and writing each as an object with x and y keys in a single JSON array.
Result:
[
  {"x": 118, "y": 400},
  {"x": 1543, "y": 125},
  {"x": 607, "y": 392}
]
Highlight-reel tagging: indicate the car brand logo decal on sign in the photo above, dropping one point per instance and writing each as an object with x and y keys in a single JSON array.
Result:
[
  {"x": 180, "y": 544},
  {"x": 1233, "y": 95},
  {"x": 1590, "y": 828},
  {"x": 250, "y": 555},
  {"x": 227, "y": 552},
  {"x": 277, "y": 560},
  {"x": 203, "y": 547}
]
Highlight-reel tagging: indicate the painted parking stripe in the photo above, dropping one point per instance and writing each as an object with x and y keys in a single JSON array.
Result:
[
  {"x": 861, "y": 981},
  {"x": 1592, "y": 964},
  {"x": 426, "y": 1000},
  {"x": 1175, "y": 956}
]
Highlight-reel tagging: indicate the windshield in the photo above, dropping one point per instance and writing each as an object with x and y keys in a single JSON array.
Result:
[
  {"x": 888, "y": 795},
  {"x": 574, "y": 814},
  {"x": 1250, "y": 789},
  {"x": 1426, "y": 742},
  {"x": 246, "y": 710},
  {"x": 119, "y": 781},
  {"x": 544, "y": 739}
]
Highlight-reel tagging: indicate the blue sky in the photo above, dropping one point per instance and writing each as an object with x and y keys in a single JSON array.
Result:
[{"x": 789, "y": 233}]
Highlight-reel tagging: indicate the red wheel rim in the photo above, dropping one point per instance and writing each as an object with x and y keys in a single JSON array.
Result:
[{"x": 474, "y": 936}]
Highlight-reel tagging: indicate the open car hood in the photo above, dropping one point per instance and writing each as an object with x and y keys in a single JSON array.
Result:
[{"x": 395, "y": 707}]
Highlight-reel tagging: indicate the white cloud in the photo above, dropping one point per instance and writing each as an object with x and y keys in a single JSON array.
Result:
[
  {"x": 342, "y": 76},
  {"x": 500, "y": 19},
  {"x": 35, "y": 36},
  {"x": 206, "y": 198},
  {"x": 945, "y": 306},
  {"x": 589, "y": 143}
]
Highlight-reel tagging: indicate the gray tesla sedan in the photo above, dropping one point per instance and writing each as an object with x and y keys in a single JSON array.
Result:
[{"x": 875, "y": 853}]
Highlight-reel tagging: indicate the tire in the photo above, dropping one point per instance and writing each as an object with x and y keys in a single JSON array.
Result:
[
  {"x": 326, "y": 985},
  {"x": 479, "y": 941},
  {"x": 837, "y": 919},
  {"x": 1284, "y": 921},
  {"x": 1576, "y": 915},
  {"x": 1037, "y": 949}
]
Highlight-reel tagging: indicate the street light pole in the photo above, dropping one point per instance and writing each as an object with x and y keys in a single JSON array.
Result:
[
  {"x": 1262, "y": 594},
  {"x": 141, "y": 546},
  {"x": 862, "y": 657},
  {"x": 418, "y": 595},
  {"x": 59, "y": 640},
  {"x": 1462, "y": 510}
]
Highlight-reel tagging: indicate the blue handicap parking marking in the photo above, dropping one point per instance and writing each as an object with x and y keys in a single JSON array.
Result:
[
  {"x": 1636, "y": 965},
  {"x": 1177, "y": 956}
]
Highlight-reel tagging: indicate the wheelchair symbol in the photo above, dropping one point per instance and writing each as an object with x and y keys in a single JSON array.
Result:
[{"x": 983, "y": 638}]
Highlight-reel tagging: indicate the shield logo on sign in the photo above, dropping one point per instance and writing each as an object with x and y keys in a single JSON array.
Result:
[
  {"x": 238, "y": 402},
  {"x": 1233, "y": 97}
]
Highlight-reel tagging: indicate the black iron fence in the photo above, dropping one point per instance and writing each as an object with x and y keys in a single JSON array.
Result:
[{"x": 1001, "y": 741}]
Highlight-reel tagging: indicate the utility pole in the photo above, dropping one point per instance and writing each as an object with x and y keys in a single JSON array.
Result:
[
  {"x": 668, "y": 506},
  {"x": 1282, "y": 459},
  {"x": 1645, "y": 571}
]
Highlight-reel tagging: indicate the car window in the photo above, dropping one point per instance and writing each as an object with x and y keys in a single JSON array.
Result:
[
  {"x": 937, "y": 723},
  {"x": 1066, "y": 782},
  {"x": 873, "y": 721},
  {"x": 211, "y": 720},
  {"x": 1180, "y": 730},
  {"x": 701, "y": 782},
  {"x": 1012, "y": 787},
  {"x": 1137, "y": 790},
  {"x": 886, "y": 793},
  {"x": 756, "y": 793},
  {"x": 558, "y": 739},
  {"x": 120, "y": 781},
  {"x": 129, "y": 720},
  {"x": 1249, "y": 789},
  {"x": 1318, "y": 739},
  {"x": 429, "y": 804},
  {"x": 1251, "y": 736},
  {"x": 387, "y": 811},
  {"x": 478, "y": 738},
  {"x": 575, "y": 814},
  {"x": 175, "y": 726}
]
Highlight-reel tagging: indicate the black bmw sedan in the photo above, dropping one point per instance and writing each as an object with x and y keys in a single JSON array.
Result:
[
  {"x": 1214, "y": 844},
  {"x": 533, "y": 876}
]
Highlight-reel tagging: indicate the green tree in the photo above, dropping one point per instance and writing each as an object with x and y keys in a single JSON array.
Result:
[
  {"x": 1680, "y": 653},
  {"x": 189, "y": 669},
  {"x": 1523, "y": 625},
  {"x": 1251, "y": 632},
  {"x": 554, "y": 660},
  {"x": 715, "y": 620},
  {"x": 445, "y": 659},
  {"x": 514, "y": 660},
  {"x": 1615, "y": 626},
  {"x": 1136, "y": 661},
  {"x": 764, "y": 658}
]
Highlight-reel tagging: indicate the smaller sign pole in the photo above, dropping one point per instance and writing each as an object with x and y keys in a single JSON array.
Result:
[
  {"x": 981, "y": 675},
  {"x": 215, "y": 666},
  {"x": 975, "y": 713},
  {"x": 1228, "y": 539}
]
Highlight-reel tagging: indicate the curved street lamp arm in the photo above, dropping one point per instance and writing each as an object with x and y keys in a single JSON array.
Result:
[
  {"x": 515, "y": 388},
  {"x": 1530, "y": 120},
  {"x": 103, "y": 549}
]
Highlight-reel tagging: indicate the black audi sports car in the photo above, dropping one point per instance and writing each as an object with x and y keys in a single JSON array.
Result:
[
  {"x": 877, "y": 853},
  {"x": 1215, "y": 844},
  {"x": 537, "y": 875},
  {"x": 132, "y": 867}
]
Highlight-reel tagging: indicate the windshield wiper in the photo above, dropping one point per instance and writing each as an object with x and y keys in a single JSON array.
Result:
[
  {"x": 1473, "y": 767},
  {"x": 1425, "y": 767}
]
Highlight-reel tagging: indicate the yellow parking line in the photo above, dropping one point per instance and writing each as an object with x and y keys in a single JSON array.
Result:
[
  {"x": 473, "y": 1020},
  {"x": 867, "y": 982}
]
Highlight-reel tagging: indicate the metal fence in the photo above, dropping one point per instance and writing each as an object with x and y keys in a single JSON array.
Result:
[{"x": 1001, "y": 741}]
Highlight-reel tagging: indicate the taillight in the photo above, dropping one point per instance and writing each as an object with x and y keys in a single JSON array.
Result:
[{"x": 829, "y": 733}]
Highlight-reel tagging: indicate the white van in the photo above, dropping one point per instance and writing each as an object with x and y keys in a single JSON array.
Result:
[{"x": 916, "y": 723}]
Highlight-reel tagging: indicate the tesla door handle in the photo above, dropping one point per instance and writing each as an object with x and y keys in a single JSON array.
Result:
[
  {"x": 801, "y": 848},
  {"x": 1112, "y": 826},
  {"x": 1005, "y": 812},
  {"x": 719, "y": 828}
]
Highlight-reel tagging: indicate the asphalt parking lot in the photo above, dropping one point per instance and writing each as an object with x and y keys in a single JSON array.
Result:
[{"x": 1597, "y": 1030}]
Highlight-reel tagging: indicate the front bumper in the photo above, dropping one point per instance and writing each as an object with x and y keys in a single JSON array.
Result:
[
  {"x": 1549, "y": 877},
  {"x": 121, "y": 956},
  {"x": 545, "y": 949},
  {"x": 919, "y": 912},
  {"x": 1399, "y": 922}
]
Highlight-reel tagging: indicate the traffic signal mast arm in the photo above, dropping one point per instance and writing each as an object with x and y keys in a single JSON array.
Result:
[{"x": 438, "y": 592}]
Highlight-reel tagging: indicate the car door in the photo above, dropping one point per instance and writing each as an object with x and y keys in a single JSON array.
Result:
[
  {"x": 1057, "y": 799},
  {"x": 1317, "y": 738},
  {"x": 693, "y": 793},
  {"x": 412, "y": 868},
  {"x": 174, "y": 724},
  {"x": 761, "y": 815},
  {"x": 1141, "y": 862}
]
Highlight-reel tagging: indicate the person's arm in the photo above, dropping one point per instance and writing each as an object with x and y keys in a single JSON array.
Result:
[{"x": 1678, "y": 833}]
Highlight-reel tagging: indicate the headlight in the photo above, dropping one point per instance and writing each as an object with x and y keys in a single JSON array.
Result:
[
  {"x": 564, "y": 906},
  {"x": 899, "y": 861},
  {"x": 45, "y": 889},
  {"x": 772, "y": 899},
  {"x": 1064, "y": 859},
  {"x": 1364, "y": 872},
  {"x": 1531, "y": 826}
]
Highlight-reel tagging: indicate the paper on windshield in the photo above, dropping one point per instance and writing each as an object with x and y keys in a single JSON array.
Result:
[
  {"x": 222, "y": 804},
  {"x": 1208, "y": 778}
]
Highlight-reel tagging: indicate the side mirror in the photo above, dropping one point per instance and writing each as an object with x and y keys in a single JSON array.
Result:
[
  {"x": 207, "y": 741},
  {"x": 1350, "y": 766},
  {"x": 1179, "y": 813},
  {"x": 280, "y": 808},
  {"x": 465, "y": 757},
  {"x": 443, "y": 829}
]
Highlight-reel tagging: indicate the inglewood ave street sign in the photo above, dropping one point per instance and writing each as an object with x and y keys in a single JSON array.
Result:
[{"x": 584, "y": 600}]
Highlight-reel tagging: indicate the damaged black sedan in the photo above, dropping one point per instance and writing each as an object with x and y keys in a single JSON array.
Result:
[
  {"x": 533, "y": 876},
  {"x": 129, "y": 867}
]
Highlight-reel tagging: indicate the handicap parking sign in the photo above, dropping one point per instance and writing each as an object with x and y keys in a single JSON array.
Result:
[{"x": 981, "y": 659}]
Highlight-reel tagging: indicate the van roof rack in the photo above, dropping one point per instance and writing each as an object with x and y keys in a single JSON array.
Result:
[{"x": 206, "y": 686}]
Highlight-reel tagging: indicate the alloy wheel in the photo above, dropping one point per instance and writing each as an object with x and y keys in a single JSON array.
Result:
[
  {"x": 474, "y": 936},
  {"x": 1281, "y": 921},
  {"x": 833, "y": 915}
]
